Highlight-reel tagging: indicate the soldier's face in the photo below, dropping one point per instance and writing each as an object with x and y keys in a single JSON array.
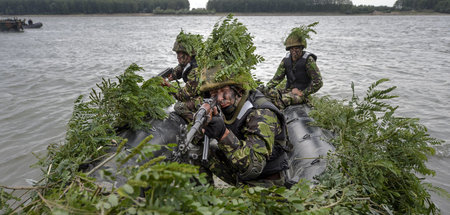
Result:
[
  {"x": 183, "y": 58},
  {"x": 225, "y": 96},
  {"x": 296, "y": 52}
]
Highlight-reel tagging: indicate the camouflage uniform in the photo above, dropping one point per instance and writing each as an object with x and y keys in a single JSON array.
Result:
[
  {"x": 188, "y": 95},
  {"x": 251, "y": 147},
  {"x": 282, "y": 96}
]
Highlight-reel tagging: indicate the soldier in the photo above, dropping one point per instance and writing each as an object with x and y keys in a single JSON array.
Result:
[
  {"x": 299, "y": 67},
  {"x": 187, "y": 96},
  {"x": 251, "y": 133}
]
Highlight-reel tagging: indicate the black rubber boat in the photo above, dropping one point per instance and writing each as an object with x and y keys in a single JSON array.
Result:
[
  {"x": 34, "y": 25},
  {"x": 306, "y": 159}
]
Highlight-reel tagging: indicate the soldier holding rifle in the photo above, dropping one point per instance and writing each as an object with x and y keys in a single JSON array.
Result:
[
  {"x": 251, "y": 134},
  {"x": 188, "y": 99},
  {"x": 250, "y": 130}
]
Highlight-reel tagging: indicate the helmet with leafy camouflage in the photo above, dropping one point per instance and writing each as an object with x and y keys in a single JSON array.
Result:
[
  {"x": 178, "y": 47},
  {"x": 228, "y": 57},
  {"x": 293, "y": 41},
  {"x": 187, "y": 43},
  {"x": 209, "y": 79},
  {"x": 298, "y": 36}
]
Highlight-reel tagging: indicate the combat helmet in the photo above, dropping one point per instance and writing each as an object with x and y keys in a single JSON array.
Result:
[
  {"x": 178, "y": 47},
  {"x": 298, "y": 36},
  {"x": 293, "y": 41},
  {"x": 228, "y": 57},
  {"x": 187, "y": 43},
  {"x": 209, "y": 79}
]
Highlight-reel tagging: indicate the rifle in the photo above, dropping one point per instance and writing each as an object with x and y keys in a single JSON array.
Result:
[
  {"x": 165, "y": 73},
  {"x": 185, "y": 147}
]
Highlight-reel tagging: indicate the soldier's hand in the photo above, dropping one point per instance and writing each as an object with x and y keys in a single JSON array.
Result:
[
  {"x": 297, "y": 92},
  {"x": 170, "y": 77},
  {"x": 165, "y": 83},
  {"x": 215, "y": 128},
  {"x": 209, "y": 112}
]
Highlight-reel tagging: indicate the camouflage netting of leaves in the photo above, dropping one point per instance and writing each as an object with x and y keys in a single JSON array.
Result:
[
  {"x": 191, "y": 42},
  {"x": 302, "y": 33},
  {"x": 231, "y": 47},
  {"x": 372, "y": 171}
]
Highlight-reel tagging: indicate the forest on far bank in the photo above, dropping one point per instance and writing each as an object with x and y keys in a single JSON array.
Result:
[
  {"x": 89, "y": 6},
  {"x": 19, "y": 7},
  {"x": 341, "y": 6}
]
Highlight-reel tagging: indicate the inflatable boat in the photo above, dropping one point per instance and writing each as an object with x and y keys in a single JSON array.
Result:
[
  {"x": 307, "y": 158},
  {"x": 11, "y": 25},
  {"x": 34, "y": 25}
]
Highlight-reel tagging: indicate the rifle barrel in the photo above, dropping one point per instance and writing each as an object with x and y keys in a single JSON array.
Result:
[{"x": 199, "y": 119}]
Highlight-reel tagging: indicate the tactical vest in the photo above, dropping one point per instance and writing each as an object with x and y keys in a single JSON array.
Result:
[
  {"x": 188, "y": 68},
  {"x": 278, "y": 159},
  {"x": 297, "y": 77}
]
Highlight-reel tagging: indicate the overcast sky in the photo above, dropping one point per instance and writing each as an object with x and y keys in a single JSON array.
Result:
[{"x": 390, "y": 3}]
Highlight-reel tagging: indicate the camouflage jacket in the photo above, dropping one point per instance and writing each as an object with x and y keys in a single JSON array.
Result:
[
  {"x": 189, "y": 90},
  {"x": 257, "y": 140},
  {"x": 311, "y": 69}
]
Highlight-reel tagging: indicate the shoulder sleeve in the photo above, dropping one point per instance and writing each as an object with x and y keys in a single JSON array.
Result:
[
  {"x": 314, "y": 74},
  {"x": 249, "y": 155}
]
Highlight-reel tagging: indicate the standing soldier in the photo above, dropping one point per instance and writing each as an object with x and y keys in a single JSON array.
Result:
[
  {"x": 299, "y": 67},
  {"x": 185, "y": 47}
]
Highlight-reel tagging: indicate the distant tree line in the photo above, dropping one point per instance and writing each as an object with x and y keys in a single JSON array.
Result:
[
  {"x": 194, "y": 11},
  {"x": 13, "y": 7},
  {"x": 88, "y": 6},
  {"x": 442, "y": 6},
  {"x": 340, "y": 6},
  {"x": 281, "y": 6},
  {"x": 366, "y": 9}
]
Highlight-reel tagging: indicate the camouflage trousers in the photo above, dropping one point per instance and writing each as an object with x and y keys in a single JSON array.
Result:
[
  {"x": 220, "y": 166},
  {"x": 283, "y": 98}
]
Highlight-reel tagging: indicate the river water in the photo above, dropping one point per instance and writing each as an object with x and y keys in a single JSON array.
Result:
[{"x": 43, "y": 71}]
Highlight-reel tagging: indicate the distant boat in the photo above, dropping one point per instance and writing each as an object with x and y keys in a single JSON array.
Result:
[
  {"x": 11, "y": 25},
  {"x": 34, "y": 25}
]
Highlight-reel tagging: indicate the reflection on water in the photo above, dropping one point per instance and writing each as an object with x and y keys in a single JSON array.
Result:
[{"x": 44, "y": 70}]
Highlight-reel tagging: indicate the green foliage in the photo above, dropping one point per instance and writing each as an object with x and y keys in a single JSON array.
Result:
[
  {"x": 190, "y": 42},
  {"x": 231, "y": 47},
  {"x": 130, "y": 104},
  {"x": 302, "y": 33},
  {"x": 372, "y": 171},
  {"x": 4, "y": 198},
  {"x": 379, "y": 152},
  {"x": 94, "y": 123}
]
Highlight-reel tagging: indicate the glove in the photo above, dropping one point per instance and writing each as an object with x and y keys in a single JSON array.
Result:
[{"x": 215, "y": 128}]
